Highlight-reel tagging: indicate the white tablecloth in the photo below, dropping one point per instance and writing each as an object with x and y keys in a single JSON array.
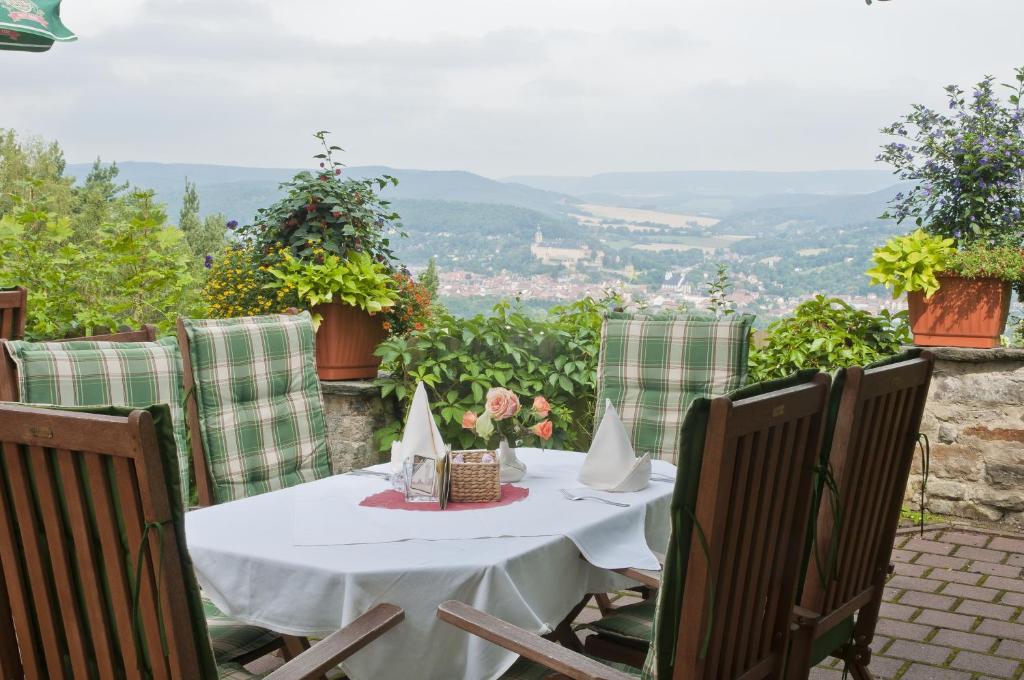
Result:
[{"x": 247, "y": 561}]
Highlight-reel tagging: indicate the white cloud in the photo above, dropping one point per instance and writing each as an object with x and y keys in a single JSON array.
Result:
[{"x": 503, "y": 86}]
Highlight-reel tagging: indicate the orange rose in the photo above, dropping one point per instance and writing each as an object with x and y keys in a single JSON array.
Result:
[
  {"x": 468, "y": 420},
  {"x": 541, "y": 407},
  {"x": 502, "y": 403},
  {"x": 543, "y": 429}
]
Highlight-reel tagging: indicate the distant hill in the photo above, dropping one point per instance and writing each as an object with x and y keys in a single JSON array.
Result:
[
  {"x": 238, "y": 192},
  {"x": 758, "y": 214},
  {"x": 706, "y": 192}
]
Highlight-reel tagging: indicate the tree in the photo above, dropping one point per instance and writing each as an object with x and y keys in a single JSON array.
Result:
[
  {"x": 98, "y": 198},
  {"x": 204, "y": 237},
  {"x": 429, "y": 278}
]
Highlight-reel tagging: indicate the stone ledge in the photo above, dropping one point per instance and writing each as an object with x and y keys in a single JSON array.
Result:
[
  {"x": 969, "y": 355},
  {"x": 349, "y": 388}
]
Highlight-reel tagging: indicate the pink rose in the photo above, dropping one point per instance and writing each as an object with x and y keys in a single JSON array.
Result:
[
  {"x": 543, "y": 429},
  {"x": 502, "y": 403},
  {"x": 541, "y": 407},
  {"x": 468, "y": 420}
]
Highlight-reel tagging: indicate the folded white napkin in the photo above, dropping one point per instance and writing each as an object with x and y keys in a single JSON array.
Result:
[
  {"x": 611, "y": 464},
  {"x": 421, "y": 436}
]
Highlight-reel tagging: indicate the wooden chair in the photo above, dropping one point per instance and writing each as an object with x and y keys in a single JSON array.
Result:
[
  {"x": 739, "y": 516},
  {"x": 9, "y": 371},
  {"x": 96, "y": 578},
  {"x": 873, "y": 445},
  {"x": 13, "y": 304}
]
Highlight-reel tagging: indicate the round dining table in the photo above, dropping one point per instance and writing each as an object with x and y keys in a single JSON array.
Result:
[{"x": 309, "y": 559}]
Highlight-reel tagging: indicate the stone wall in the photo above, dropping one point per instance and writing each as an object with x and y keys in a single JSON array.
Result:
[
  {"x": 354, "y": 411},
  {"x": 975, "y": 421}
]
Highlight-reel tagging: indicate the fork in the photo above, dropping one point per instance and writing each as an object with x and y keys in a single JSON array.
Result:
[
  {"x": 569, "y": 495},
  {"x": 368, "y": 473}
]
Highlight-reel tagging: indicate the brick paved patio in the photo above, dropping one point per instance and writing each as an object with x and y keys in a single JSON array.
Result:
[{"x": 954, "y": 608}]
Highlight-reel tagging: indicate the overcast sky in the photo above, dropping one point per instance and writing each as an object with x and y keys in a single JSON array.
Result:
[{"x": 502, "y": 87}]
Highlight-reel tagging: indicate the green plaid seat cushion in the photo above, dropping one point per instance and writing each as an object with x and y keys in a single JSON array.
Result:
[
  {"x": 261, "y": 412},
  {"x": 524, "y": 669},
  {"x": 231, "y": 639},
  {"x": 652, "y": 367},
  {"x": 91, "y": 373},
  {"x": 631, "y": 624},
  {"x": 234, "y": 671}
]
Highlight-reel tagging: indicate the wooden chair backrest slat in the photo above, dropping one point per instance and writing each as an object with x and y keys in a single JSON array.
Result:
[
  {"x": 13, "y": 306},
  {"x": 872, "y": 451},
  {"x": 753, "y": 504},
  {"x": 77, "y": 493}
]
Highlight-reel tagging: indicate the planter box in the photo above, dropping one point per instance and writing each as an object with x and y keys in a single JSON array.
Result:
[
  {"x": 345, "y": 342},
  {"x": 962, "y": 313}
]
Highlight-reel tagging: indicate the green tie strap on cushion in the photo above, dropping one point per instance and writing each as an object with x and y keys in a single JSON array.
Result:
[
  {"x": 261, "y": 412},
  {"x": 100, "y": 373},
  {"x": 653, "y": 366},
  {"x": 684, "y": 499}
]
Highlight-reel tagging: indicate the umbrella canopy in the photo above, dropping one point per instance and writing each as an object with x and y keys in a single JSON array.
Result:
[{"x": 31, "y": 25}]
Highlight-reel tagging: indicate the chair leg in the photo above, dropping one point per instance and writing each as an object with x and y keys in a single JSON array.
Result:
[
  {"x": 604, "y": 603},
  {"x": 564, "y": 634},
  {"x": 798, "y": 663}
]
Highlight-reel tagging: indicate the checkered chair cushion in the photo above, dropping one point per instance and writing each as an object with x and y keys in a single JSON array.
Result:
[
  {"x": 92, "y": 373},
  {"x": 631, "y": 624},
  {"x": 652, "y": 367},
  {"x": 231, "y": 639},
  {"x": 234, "y": 671},
  {"x": 261, "y": 412}
]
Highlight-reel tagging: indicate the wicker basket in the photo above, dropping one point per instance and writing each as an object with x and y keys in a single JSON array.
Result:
[{"x": 474, "y": 481}]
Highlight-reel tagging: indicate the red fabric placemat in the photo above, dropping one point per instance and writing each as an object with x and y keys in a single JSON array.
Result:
[{"x": 395, "y": 500}]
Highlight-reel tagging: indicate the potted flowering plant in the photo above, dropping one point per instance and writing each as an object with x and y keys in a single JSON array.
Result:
[
  {"x": 957, "y": 297},
  {"x": 329, "y": 240},
  {"x": 505, "y": 422},
  {"x": 967, "y": 169}
]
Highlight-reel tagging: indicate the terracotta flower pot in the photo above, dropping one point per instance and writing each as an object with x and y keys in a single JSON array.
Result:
[
  {"x": 962, "y": 313},
  {"x": 345, "y": 342}
]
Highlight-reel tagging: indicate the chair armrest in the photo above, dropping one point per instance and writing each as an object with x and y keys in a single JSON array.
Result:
[
  {"x": 805, "y": 618},
  {"x": 525, "y": 643},
  {"x": 651, "y": 579},
  {"x": 340, "y": 645}
]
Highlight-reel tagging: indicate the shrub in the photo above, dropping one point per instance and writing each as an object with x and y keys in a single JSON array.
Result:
[
  {"x": 967, "y": 165},
  {"x": 827, "y": 333},
  {"x": 131, "y": 270},
  {"x": 237, "y": 285},
  {"x": 458, "y": 360}
]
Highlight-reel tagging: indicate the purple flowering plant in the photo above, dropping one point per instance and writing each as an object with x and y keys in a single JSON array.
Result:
[{"x": 965, "y": 166}]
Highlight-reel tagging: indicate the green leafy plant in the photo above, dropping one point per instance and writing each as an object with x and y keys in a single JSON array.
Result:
[
  {"x": 325, "y": 210},
  {"x": 978, "y": 261},
  {"x": 827, "y": 333},
  {"x": 357, "y": 281},
  {"x": 718, "y": 290},
  {"x": 460, "y": 359},
  {"x": 910, "y": 263},
  {"x": 130, "y": 270}
]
